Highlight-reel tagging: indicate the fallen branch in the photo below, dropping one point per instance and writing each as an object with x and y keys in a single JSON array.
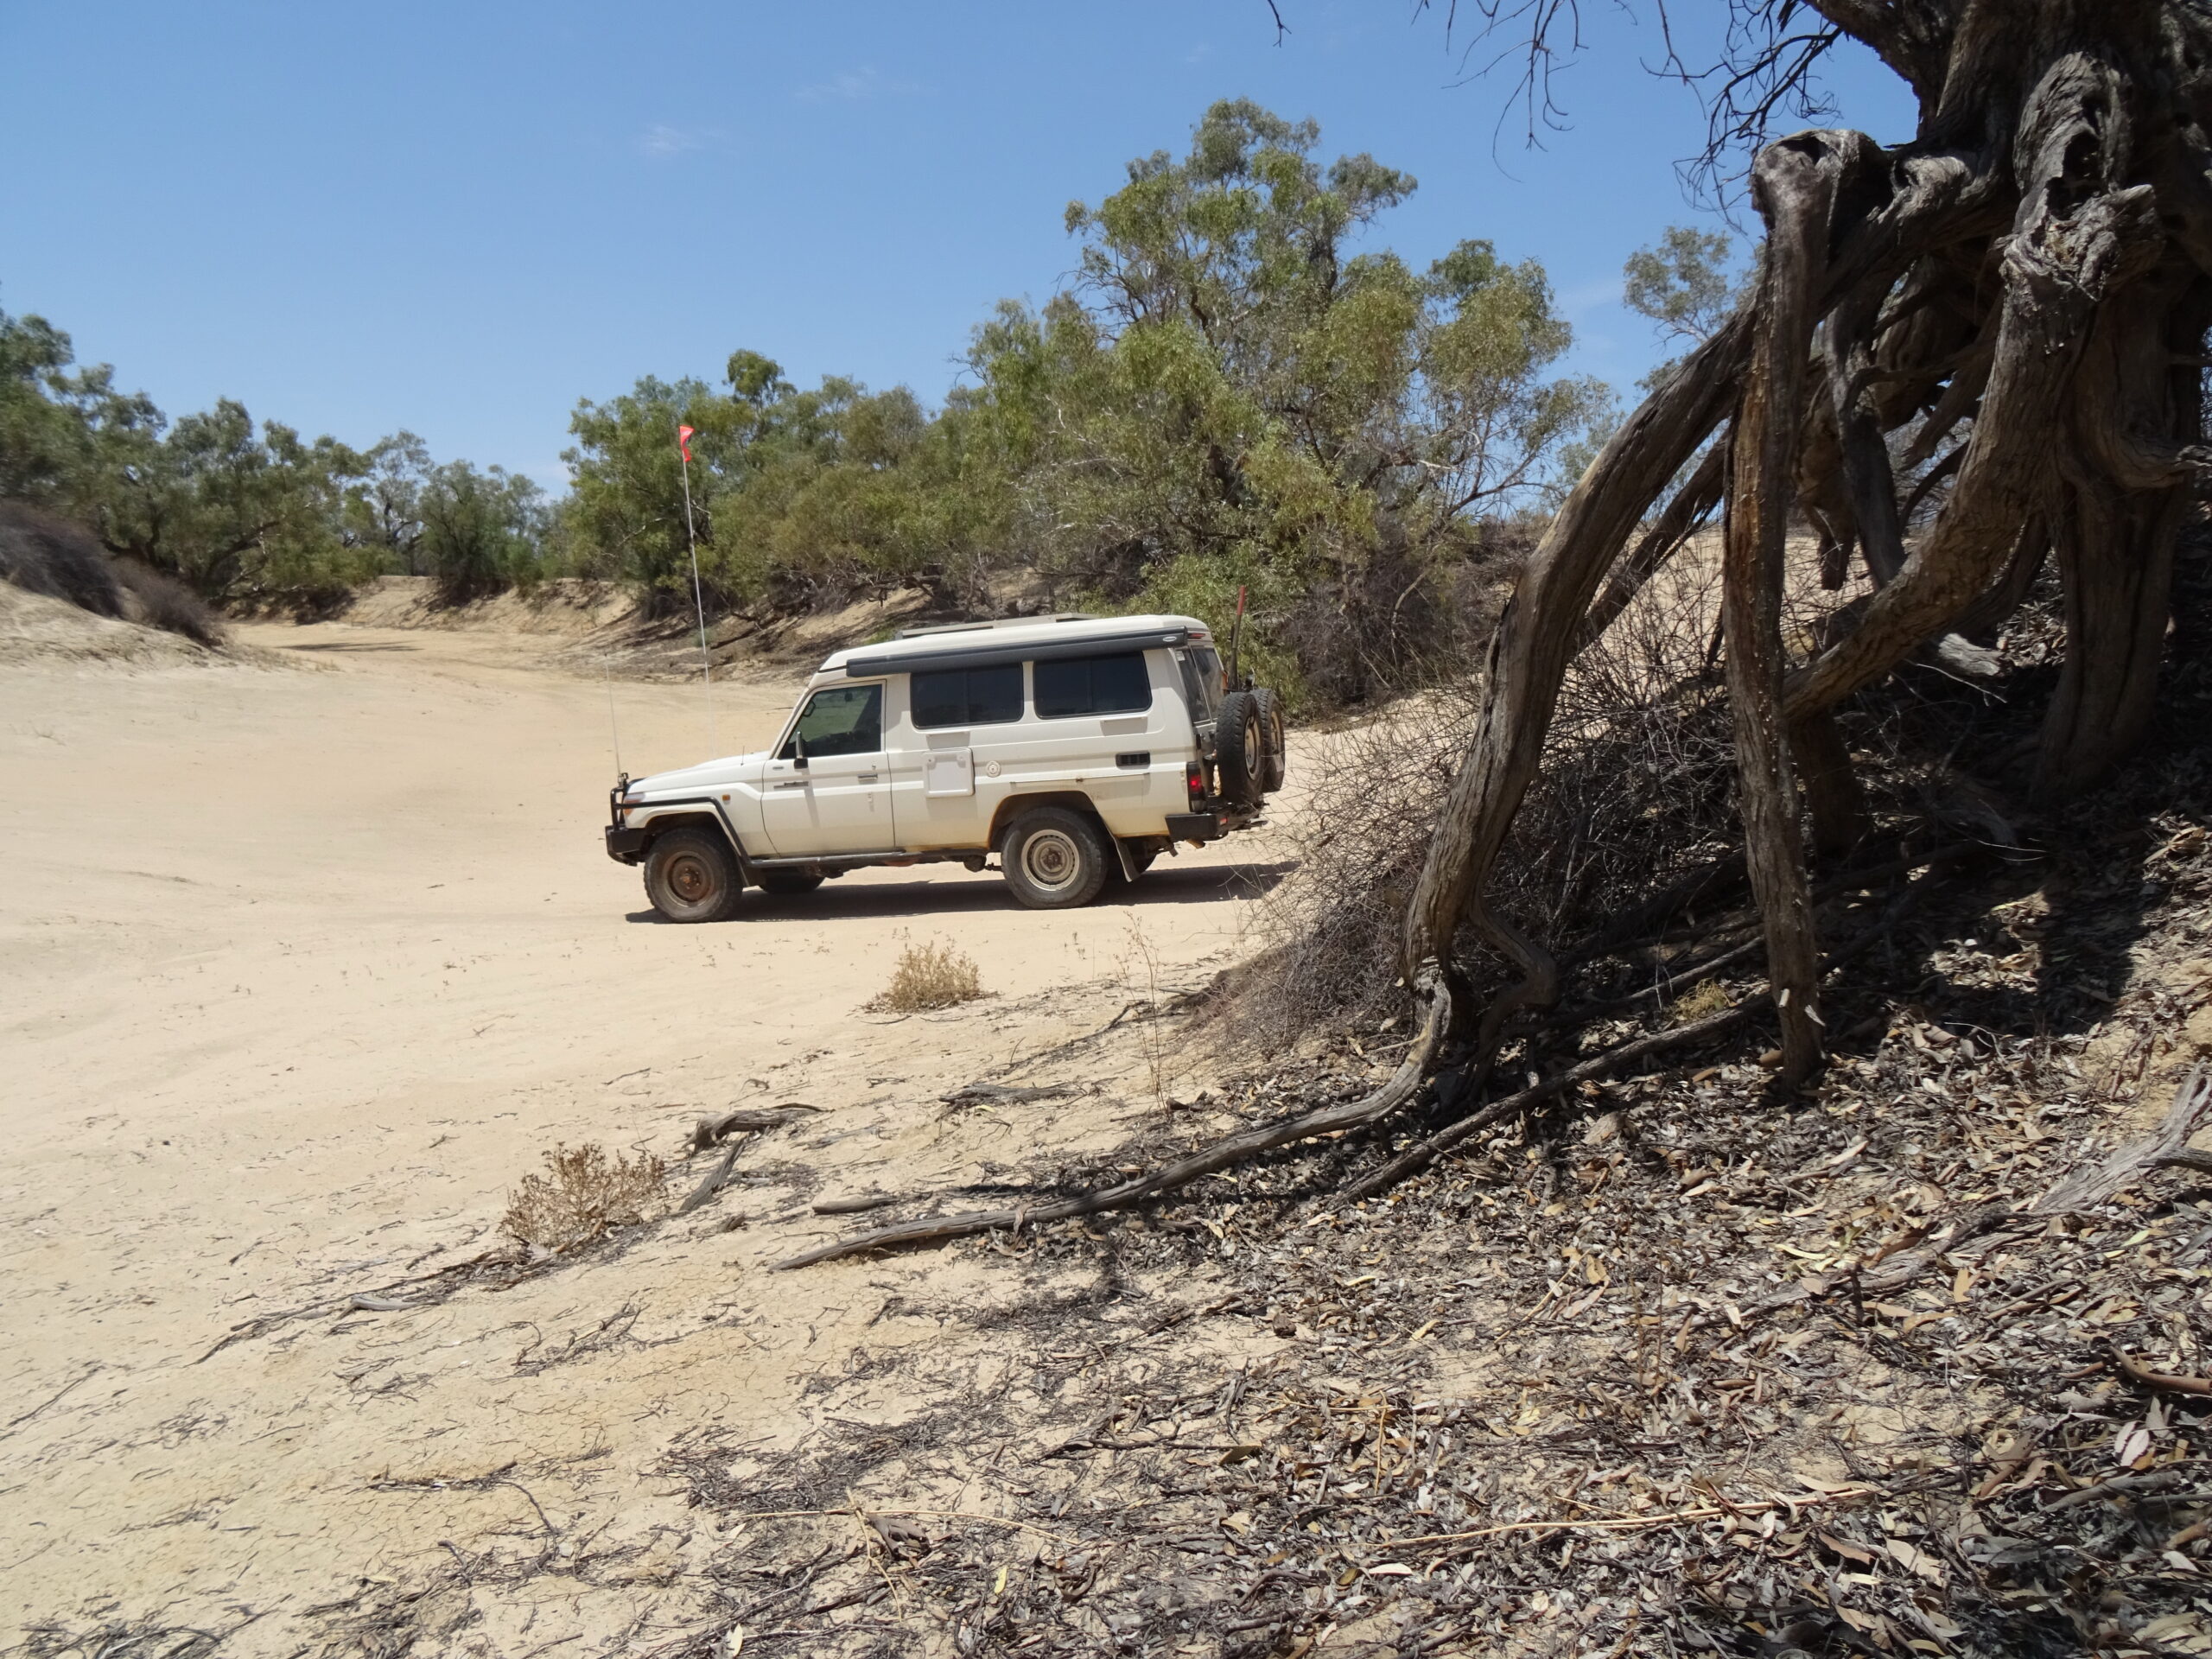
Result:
[
  {"x": 713, "y": 1184},
  {"x": 1617, "y": 1523},
  {"x": 709, "y": 1132},
  {"x": 2167, "y": 1146},
  {"x": 1422, "y": 1154},
  {"x": 1402, "y": 1086},
  {"x": 854, "y": 1206},
  {"x": 926, "y": 1515}
]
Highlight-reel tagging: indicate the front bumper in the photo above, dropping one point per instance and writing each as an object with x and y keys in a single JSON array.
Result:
[{"x": 626, "y": 845}]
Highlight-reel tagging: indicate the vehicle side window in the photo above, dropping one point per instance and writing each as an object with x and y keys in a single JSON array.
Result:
[
  {"x": 968, "y": 696},
  {"x": 839, "y": 719},
  {"x": 1093, "y": 685}
]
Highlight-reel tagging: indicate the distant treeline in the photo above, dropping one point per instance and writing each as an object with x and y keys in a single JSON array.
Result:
[{"x": 1230, "y": 394}]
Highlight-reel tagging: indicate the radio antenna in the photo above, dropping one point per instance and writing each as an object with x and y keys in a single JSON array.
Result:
[
  {"x": 698, "y": 593},
  {"x": 614, "y": 725}
]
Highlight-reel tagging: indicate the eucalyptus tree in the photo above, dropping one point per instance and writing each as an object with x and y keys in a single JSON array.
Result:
[{"x": 1238, "y": 390}]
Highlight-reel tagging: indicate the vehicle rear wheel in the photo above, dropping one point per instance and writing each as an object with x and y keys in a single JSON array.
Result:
[
  {"x": 1240, "y": 748},
  {"x": 691, "y": 876},
  {"x": 1275, "y": 767},
  {"x": 786, "y": 884},
  {"x": 1055, "y": 859}
]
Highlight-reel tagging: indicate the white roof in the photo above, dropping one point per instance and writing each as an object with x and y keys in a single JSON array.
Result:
[{"x": 1013, "y": 635}]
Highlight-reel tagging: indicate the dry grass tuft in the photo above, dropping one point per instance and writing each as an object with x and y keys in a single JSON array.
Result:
[
  {"x": 928, "y": 976},
  {"x": 1710, "y": 996},
  {"x": 583, "y": 1193}
]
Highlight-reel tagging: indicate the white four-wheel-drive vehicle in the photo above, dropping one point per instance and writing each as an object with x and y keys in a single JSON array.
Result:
[{"x": 1077, "y": 749}]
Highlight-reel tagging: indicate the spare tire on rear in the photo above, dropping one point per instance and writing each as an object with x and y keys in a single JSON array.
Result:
[
  {"x": 1276, "y": 765},
  {"x": 1240, "y": 748}
]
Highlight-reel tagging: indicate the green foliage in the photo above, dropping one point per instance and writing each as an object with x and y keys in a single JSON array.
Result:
[
  {"x": 797, "y": 496},
  {"x": 1684, "y": 286},
  {"x": 240, "y": 510},
  {"x": 1234, "y": 396},
  {"x": 480, "y": 532}
]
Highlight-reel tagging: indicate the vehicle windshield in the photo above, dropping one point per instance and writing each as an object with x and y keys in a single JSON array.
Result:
[{"x": 838, "y": 720}]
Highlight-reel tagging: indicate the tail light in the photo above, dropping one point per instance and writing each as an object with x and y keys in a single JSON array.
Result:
[{"x": 1194, "y": 781}]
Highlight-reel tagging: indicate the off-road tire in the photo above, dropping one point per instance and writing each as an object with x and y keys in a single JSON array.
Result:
[
  {"x": 1276, "y": 765},
  {"x": 1055, "y": 859},
  {"x": 786, "y": 884},
  {"x": 1240, "y": 748},
  {"x": 691, "y": 875}
]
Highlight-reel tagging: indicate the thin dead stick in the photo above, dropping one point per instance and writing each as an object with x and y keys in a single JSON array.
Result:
[
  {"x": 1402, "y": 1086},
  {"x": 1613, "y": 1523},
  {"x": 857, "y": 1206},
  {"x": 925, "y": 1514}
]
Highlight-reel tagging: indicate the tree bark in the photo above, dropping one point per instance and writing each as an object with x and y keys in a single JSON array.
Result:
[
  {"x": 1535, "y": 640},
  {"x": 1794, "y": 188}
]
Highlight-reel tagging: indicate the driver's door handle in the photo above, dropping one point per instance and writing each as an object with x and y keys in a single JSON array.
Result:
[
  {"x": 795, "y": 783},
  {"x": 865, "y": 778}
]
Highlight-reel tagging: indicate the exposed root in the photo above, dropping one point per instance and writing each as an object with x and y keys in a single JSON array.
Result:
[{"x": 1401, "y": 1088}]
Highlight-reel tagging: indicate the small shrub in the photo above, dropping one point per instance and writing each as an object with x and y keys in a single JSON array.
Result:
[
  {"x": 583, "y": 1194},
  {"x": 928, "y": 976},
  {"x": 161, "y": 602}
]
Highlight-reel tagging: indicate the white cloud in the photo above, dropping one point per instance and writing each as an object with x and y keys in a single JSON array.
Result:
[
  {"x": 662, "y": 139},
  {"x": 853, "y": 86}
]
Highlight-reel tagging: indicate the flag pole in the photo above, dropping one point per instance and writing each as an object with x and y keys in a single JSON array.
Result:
[{"x": 698, "y": 593}]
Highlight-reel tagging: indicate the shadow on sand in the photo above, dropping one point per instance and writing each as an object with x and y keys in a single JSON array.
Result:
[{"x": 940, "y": 897}]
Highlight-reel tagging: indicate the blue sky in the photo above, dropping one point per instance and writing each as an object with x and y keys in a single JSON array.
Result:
[{"x": 460, "y": 217}]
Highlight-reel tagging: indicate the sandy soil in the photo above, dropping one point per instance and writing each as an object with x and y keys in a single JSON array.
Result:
[{"x": 301, "y": 972}]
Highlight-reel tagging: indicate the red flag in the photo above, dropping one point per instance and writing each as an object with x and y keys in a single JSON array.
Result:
[{"x": 684, "y": 440}]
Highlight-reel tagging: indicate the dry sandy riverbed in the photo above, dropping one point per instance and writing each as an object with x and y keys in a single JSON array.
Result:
[{"x": 300, "y": 970}]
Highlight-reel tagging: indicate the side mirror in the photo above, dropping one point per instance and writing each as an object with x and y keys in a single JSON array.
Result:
[{"x": 798, "y": 752}]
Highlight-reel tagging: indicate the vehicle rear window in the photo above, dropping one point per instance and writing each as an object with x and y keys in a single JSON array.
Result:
[
  {"x": 1201, "y": 680},
  {"x": 1093, "y": 685},
  {"x": 968, "y": 696}
]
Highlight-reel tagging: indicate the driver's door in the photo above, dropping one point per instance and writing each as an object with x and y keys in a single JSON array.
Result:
[{"x": 840, "y": 800}]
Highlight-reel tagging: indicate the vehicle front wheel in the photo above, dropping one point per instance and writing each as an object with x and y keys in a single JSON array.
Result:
[
  {"x": 786, "y": 884},
  {"x": 1055, "y": 859},
  {"x": 691, "y": 876}
]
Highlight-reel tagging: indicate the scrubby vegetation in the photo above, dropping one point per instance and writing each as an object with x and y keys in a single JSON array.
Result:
[
  {"x": 1240, "y": 388},
  {"x": 584, "y": 1194},
  {"x": 934, "y": 975}
]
